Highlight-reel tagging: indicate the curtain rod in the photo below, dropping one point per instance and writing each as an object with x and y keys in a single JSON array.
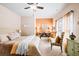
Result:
[{"x": 67, "y": 13}]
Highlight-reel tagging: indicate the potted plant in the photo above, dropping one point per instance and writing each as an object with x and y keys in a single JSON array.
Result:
[{"x": 72, "y": 36}]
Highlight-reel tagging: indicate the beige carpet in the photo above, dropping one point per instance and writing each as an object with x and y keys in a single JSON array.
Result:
[{"x": 45, "y": 49}]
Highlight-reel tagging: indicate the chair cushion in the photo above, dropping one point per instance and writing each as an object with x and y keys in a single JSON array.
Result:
[{"x": 58, "y": 39}]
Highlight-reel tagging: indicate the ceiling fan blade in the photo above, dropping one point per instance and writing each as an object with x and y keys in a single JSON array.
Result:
[
  {"x": 30, "y": 3},
  {"x": 26, "y": 7},
  {"x": 39, "y": 7}
]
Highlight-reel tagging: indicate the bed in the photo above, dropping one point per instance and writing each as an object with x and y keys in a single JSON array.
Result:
[{"x": 21, "y": 46}]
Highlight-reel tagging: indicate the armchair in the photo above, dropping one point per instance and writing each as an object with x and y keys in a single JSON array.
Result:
[{"x": 58, "y": 41}]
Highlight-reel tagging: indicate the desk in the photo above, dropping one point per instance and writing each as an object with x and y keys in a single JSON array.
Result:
[{"x": 44, "y": 34}]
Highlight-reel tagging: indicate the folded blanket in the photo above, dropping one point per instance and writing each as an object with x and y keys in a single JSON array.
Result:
[{"x": 23, "y": 45}]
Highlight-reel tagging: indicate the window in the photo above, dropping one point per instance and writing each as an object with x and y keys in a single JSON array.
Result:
[
  {"x": 60, "y": 26},
  {"x": 66, "y": 24}
]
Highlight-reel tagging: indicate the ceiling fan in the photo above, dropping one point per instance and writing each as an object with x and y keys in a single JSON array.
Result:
[{"x": 34, "y": 5}]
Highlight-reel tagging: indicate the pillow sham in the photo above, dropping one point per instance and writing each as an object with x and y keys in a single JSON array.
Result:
[{"x": 13, "y": 35}]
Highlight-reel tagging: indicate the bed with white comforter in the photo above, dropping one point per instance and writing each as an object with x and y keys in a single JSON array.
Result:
[{"x": 28, "y": 45}]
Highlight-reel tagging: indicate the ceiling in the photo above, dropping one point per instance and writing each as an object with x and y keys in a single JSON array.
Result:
[{"x": 50, "y": 9}]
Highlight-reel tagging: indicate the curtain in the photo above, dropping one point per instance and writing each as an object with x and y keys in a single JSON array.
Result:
[{"x": 69, "y": 23}]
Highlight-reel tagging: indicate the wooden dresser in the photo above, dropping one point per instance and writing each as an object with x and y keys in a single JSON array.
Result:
[{"x": 72, "y": 47}]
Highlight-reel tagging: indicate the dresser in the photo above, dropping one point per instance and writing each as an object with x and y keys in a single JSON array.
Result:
[{"x": 72, "y": 47}]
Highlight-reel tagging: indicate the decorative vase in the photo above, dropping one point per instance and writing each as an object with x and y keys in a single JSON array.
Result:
[{"x": 72, "y": 36}]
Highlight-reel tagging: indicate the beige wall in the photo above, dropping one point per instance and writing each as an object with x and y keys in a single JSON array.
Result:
[
  {"x": 27, "y": 25},
  {"x": 74, "y": 7},
  {"x": 9, "y": 21}
]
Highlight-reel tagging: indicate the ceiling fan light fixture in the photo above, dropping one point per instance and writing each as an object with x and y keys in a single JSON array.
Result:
[{"x": 33, "y": 7}]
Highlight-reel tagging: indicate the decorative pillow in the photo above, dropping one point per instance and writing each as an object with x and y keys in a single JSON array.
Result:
[
  {"x": 9, "y": 37},
  {"x": 13, "y": 35},
  {"x": 3, "y": 37},
  {"x": 58, "y": 39}
]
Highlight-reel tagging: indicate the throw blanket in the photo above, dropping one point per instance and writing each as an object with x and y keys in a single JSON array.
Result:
[
  {"x": 21, "y": 47},
  {"x": 13, "y": 50}
]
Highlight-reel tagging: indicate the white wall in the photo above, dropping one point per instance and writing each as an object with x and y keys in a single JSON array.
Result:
[
  {"x": 9, "y": 21},
  {"x": 27, "y": 25},
  {"x": 74, "y": 7}
]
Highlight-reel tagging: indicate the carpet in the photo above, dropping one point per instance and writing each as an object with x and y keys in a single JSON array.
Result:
[{"x": 45, "y": 49}]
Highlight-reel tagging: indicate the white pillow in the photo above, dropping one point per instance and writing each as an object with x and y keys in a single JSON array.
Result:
[
  {"x": 13, "y": 35},
  {"x": 3, "y": 37}
]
